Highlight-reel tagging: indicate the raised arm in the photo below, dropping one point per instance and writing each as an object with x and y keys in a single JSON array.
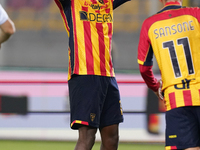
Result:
[
  {"x": 117, "y": 3},
  {"x": 7, "y": 29}
]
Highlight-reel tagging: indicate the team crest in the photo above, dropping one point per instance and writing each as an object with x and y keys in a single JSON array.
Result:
[{"x": 92, "y": 116}]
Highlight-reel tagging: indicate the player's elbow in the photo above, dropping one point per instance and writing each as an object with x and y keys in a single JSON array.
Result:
[
  {"x": 8, "y": 27},
  {"x": 143, "y": 69},
  {"x": 11, "y": 29}
]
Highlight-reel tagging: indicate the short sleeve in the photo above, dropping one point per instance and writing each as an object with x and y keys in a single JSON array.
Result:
[{"x": 3, "y": 15}]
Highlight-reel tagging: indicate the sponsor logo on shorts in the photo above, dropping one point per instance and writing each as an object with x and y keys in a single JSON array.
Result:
[{"x": 92, "y": 116}]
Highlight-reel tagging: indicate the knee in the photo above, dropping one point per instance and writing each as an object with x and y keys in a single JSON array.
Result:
[
  {"x": 85, "y": 141},
  {"x": 113, "y": 139},
  {"x": 110, "y": 142},
  {"x": 110, "y": 136}
]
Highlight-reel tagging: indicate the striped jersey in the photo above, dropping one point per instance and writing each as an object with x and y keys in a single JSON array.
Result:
[
  {"x": 173, "y": 36},
  {"x": 89, "y": 24}
]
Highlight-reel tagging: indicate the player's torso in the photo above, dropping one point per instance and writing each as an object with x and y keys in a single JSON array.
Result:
[
  {"x": 91, "y": 32},
  {"x": 176, "y": 45},
  {"x": 92, "y": 19}
]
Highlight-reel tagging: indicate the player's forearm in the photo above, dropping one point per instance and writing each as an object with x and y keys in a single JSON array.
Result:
[{"x": 148, "y": 76}]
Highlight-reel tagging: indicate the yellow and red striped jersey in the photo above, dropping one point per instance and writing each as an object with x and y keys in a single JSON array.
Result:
[
  {"x": 173, "y": 36},
  {"x": 89, "y": 24}
]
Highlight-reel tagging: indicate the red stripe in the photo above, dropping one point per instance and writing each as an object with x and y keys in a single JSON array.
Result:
[
  {"x": 84, "y": 123},
  {"x": 85, "y": 9},
  {"x": 94, "y": 1},
  {"x": 97, "y": 11},
  {"x": 153, "y": 119},
  {"x": 76, "y": 63},
  {"x": 173, "y": 147},
  {"x": 101, "y": 48},
  {"x": 88, "y": 48},
  {"x": 110, "y": 42},
  {"x": 172, "y": 100},
  {"x": 187, "y": 98},
  {"x": 107, "y": 10}
]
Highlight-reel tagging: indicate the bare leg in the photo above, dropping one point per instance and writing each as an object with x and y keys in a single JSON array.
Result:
[
  {"x": 109, "y": 137},
  {"x": 86, "y": 138}
]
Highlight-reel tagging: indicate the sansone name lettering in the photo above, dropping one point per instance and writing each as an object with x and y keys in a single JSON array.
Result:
[{"x": 174, "y": 29}]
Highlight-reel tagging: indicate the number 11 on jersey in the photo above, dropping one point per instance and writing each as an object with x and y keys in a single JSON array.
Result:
[{"x": 173, "y": 56}]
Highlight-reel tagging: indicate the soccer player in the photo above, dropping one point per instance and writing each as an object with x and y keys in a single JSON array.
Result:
[
  {"x": 7, "y": 27},
  {"x": 173, "y": 36},
  {"x": 93, "y": 90}
]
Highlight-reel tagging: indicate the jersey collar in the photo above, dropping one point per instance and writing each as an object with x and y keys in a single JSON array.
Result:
[
  {"x": 172, "y": 3},
  {"x": 170, "y": 6}
]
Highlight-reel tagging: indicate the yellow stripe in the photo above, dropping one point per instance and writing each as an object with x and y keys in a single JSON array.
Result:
[
  {"x": 168, "y": 148},
  {"x": 179, "y": 98},
  {"x": 76, "y": 121},
  {"x": 195, "y": 95},
  {"x": 81, "y": 40},
  {"x": 121, "y": 107},
  {"x": 167, "y": 104},
  {"x": 95, "y": 47},
  {"x": 107, "y": 55},
  {"x": 140, "y": 62}
]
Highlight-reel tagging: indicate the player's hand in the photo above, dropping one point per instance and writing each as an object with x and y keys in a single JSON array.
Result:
[{"x": 159, "y": 93}]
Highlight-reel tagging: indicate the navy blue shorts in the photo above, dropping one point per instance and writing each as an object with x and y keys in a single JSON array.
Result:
[
  {"x": 183, "y": 128},
  {"x": 94, "y": 101}
]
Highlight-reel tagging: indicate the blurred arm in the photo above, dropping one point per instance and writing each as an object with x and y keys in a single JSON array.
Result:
[
  {"x": 117, "y": 3},
  {"x": 7, "y": 29},
  {"x": 148, "y": 76},
  {"x": 151, "y": 81}
]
